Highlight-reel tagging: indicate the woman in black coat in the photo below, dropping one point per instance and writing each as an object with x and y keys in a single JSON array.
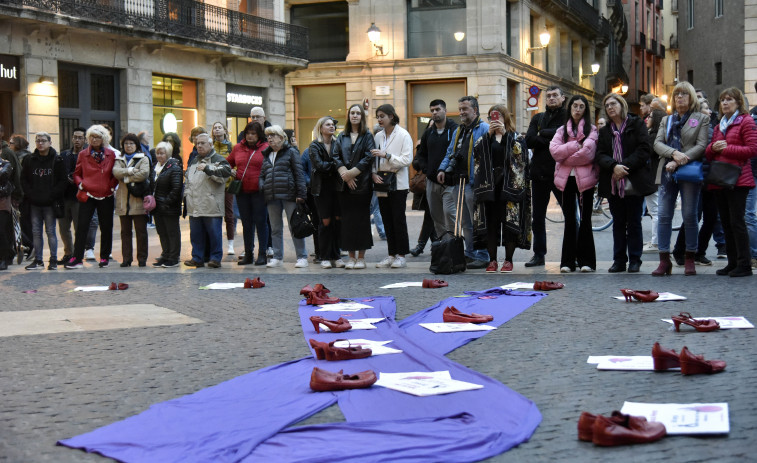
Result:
[
  {"x": 167, "y": 180},
  {"x": 324, "y": 186},
  {"x": 625, "y": 178},
  {"x": 354, "y": 162}
]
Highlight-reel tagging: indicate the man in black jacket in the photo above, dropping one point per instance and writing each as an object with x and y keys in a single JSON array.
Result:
[
  {"x": 43, "y": 178},
  {"x": 431, "y": 152},
  {"x": 71, "y": 204},
  {"x": 540, "y": 132}
]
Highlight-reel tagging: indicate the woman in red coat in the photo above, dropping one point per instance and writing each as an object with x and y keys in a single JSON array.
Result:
[{"x": 735, "y": 142}]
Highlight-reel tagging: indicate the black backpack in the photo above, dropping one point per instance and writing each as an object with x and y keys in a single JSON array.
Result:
[{"x": 143, "y": 188}]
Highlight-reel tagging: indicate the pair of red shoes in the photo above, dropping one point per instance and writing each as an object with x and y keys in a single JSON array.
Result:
[
  {"x": 339, "y": 326},
  {"x": 646, "y": 295},
  {"x": 429, "y": 283},
  {"x": 322, "y": 380},
  {"x": 690, "y": 364},
  {"x": 618, "y": 429},
  {"x": 452, "y": 315},
  {"x": 327, "y": 351},
  {"x": 507, "y": 267},
  {"x": 118, "y": 286},
  {"x": 699, "y": 325},
  {"x": 253, "y": 283},
  {"x": 547, "y": 285},
  {"x": 317, "y": 295}
]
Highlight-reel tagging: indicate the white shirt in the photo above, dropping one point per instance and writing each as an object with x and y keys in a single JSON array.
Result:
[{"x": 400, "y": 147}]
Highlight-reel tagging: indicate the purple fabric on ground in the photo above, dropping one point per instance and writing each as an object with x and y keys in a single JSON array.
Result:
[{"x": 244, "y": 419}]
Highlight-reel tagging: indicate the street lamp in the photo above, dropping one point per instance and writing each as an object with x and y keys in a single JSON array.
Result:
[
  {"x": 594, "y": 71},
  {"x": 459, "y": 36},
  {"x": 374, "y": 35},
  {"x": 544, "y": 38}
]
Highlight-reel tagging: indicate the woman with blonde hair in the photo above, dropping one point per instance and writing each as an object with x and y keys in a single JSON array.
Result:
[
  {"x": 625, "y": 178},
  {"x": 503, "y": 191},
  {"x": 325, "y": 184},
  {"x": 734, "y": 142},
  {"x": 222, "y": 145},
  {"x": 681, "y": 139}
]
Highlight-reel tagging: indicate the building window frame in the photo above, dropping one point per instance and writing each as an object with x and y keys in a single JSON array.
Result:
[
  {"x": 718, "y": 9},
  {"x": 690, "y": 15},
  {"x": 441, "y": 41}
]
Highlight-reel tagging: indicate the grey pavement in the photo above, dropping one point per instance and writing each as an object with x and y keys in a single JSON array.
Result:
[{"x": 56, "y": 386}]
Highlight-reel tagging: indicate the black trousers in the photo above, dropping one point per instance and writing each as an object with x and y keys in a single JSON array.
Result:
[
  {"x": 392, "y": 209},
  {"x": 577, "y": 246},
  {"x": 328, "y": 207},
  {"x": 104, "y": 208},
  {"x": 169, "y": 234},
  {"x": 7, "y": 237},
  {"x": 732, "y": 207},
  {"x": 626, "y": 228},
  {"x": 540, "y": 190}
]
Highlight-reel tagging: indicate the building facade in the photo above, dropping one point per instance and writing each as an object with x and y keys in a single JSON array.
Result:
[
  {"x": 445, "y": 49},
  {"x": 646, "y": 52},
  {"x": 152, "y": 65}
]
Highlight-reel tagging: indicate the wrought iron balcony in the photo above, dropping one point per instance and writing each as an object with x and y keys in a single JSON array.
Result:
[
  {"x": 662, "y": 51},
  {"x": 185, "y": 19},
  {"x": 616, "y": 9},
  {"x": 582, "y": 16},
  {"x": 653, "y": 47}
]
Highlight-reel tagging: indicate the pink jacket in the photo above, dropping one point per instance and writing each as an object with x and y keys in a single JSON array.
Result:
[
  {"x": 575, "y": 155},
  {"x": 741, "y": 137}
]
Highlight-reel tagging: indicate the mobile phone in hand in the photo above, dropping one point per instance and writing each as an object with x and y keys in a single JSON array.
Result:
[{"x": 495, "y": 116}]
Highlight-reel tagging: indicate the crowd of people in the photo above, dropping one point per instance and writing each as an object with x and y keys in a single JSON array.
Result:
[{"x": 480, "y": 176}]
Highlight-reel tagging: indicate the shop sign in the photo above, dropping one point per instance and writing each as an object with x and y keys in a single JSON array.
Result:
[
  {"x": 240, "y": 99},
  {"x": 10, "y": 78}
]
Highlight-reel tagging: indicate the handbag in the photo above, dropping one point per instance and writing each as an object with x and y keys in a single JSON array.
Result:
[
  {"x": 690, "y": 172},
  {"x": 418, "y": 183},
  {"x": 301, "y": 221},
  {"x": 235, "y": 186},
  {"x": 448, "y": 254},
  {"x": 148, "y": 203},
  {"x": 723, "y": 174},
  {"x": 389, "y": 180}
]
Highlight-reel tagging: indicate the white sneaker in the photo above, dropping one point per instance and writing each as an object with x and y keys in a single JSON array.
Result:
[
  {"x": 302, "y": 263},
  {"x": 89, "y": 254},
  {"x": 269, "y": 252},
  {"x": 565, "y": 270},
  {"x": 586, "y": 269},
  {"x": 359, "y": 264},
  {"x": 399, "y": 262},
  {"x": 386, "y": 263},
  {"x": 339, "y": 263},
  {"x": 350, "y": 264},
  {"x": 230, "y": 251},
  {"x": 325, "y": 264},
  {"x": 650, "y": 248},
  {"x": 274, "y": 263}
]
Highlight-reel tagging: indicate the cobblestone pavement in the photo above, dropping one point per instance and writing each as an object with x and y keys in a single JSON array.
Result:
[{"x": 60, "y": 385}]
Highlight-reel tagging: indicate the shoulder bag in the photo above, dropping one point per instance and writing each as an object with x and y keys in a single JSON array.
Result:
[
  {"x": 723, "y": 174},
  {"x": 302, "y": 221},
  {"x": 689, "y": 172},
  {"x": 448, "y": 254},
  {"x": 388, "y": 178},
  {"x": 235, "y": 187},
  {"x": 418, "y": 183}
]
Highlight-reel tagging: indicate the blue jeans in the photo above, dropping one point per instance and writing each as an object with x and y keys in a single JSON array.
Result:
[
  {"x": 668, "y": 193},
  {"x": 275, "y": 209},
  {"x": 376, "y": 213},
  {"x": 44, "y": 215},
  {"x": 254, "y": 214},
  {"x": 202, "y": 228},
  {"x": 626, "y": 228},
  {"x": 751, "y": 220}
]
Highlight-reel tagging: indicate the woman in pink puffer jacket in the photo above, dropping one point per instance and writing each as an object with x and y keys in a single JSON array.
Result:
[{"x": 573, "y": 148}]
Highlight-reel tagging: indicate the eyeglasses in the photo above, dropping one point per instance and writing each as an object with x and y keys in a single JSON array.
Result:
[
  {"x": 41, "y": 141},
  {"x": 611, "y": 104},
  {"x": 680, "y": 95}
]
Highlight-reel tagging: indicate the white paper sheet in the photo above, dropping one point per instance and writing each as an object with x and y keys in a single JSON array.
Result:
[
  {"x": 376, "y": 347},
  {"x": 223, "y": 286},
  {"x": 404, "y": 284},
  {"x": 628, "y": 363},
  {"x": 519, "y": 285},
  {"x": 694, "y": 418},
  {"x": 87, "y": 289},
  {"x": 456, "y": 327},
  {"x": 358, "y": 324},
  {"x": 425, "y": 383},
  {"x": 343, "y": 307},
  {"x": 726, "y": 323},
  {"x": 664, "y": 297}
]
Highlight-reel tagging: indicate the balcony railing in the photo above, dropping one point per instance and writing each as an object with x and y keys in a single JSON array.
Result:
[
  {"x": 660, "y": 5},
  {"x": 662, "y": 51},
  {"x": 616, "y": 8},
  {"x": 580, "y": 14},
  {"x": 183, "y": 18},
  {"x": 653, "y": 47},
  {"x": 642, "y": 41}
]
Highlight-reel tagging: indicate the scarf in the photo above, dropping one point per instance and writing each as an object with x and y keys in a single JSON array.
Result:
[
  {"x": 725, "y": 122},
  {"x": 98, "y": 155},
  {"x": 617, "y": 154},
  {"x": 674, "y": 130},
  {"x": 463, "y": 131},
  {"x": 129, "y": 157}
]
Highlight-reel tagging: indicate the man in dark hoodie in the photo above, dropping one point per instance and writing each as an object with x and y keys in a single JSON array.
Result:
[
  {"x": 43, "y": 178},
  {"x": 71, "y": 204},
  {"x": 540, "y": 132},
  {"x": 431, "y": 152}
]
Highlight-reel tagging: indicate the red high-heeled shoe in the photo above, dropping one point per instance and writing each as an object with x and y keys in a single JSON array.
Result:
[
  {"x": 319, "y": 348},
  {"x": 696, "y": 364},
  {"x": 318, "y": 296},
  {"x": 699, "y": 325},
  {"x": 646, "y": 295},
  {"x": 338, "y": 326},
  {"x": 664, "y": 359},
  {"x": 306, "y": 290}
]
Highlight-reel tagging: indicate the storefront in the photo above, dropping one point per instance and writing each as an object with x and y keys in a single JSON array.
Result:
[
  {"x": 420, "y": 94},
  {"x": 174, "y": 109},
  {"x": 10, "y": 84},
  {"x": 239, "y": 100}
]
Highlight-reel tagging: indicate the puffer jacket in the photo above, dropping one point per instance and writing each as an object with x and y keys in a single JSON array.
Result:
[
  {"x": 284, "y": 178},
  {"x": 636, "y": 152},
  {"x": 205, "y": 191},
  {"x": 135, "y": 171},
  {"x": 577, "y": 153},
  {"x": 168, "y": 186},
  {"x": 356, "y": 156},
  {"x": 323, "y": 174},
  {"x": 741, "y": 137},
  {"x": 95, "y": 179}
]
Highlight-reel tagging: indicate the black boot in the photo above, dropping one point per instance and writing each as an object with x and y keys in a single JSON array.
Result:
[
  {"x": 418, "y": 250},
  {"x": 3, "y": 265},
  {"x": 261, "y": 260},
  {"x": 247, "y": 260}
]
